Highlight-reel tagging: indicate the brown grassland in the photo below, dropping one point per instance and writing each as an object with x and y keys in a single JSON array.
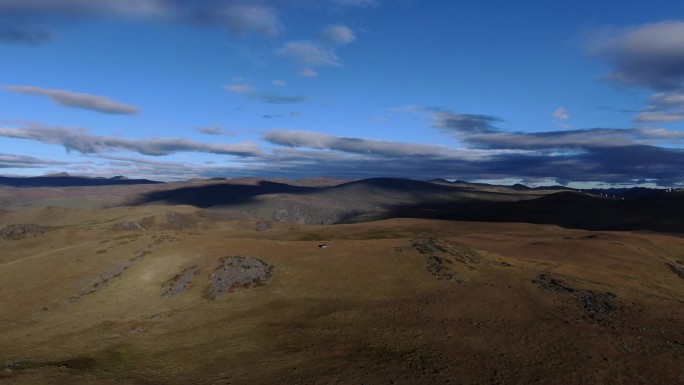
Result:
[{"x": 85, "y": 300}]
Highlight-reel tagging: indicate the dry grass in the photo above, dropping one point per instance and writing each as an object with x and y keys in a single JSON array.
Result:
[{"x": 366, "y": 309}]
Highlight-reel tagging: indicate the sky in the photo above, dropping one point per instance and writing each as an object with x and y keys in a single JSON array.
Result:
[{"x": 579, "y": 93}]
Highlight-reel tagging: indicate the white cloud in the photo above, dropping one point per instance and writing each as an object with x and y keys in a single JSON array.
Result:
[
  {"x": 308, "y": 73},
  {"x": 658, "y": 117},
  {"x": 561, "y": 114},
  {"x": 338, "y": 34}
]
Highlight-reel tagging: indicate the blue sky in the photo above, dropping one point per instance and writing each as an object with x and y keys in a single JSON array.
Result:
[{"x": 531, "y": 91}]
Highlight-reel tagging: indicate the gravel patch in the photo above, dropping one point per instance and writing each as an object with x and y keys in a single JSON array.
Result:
[
  {"x": 589, "y": 306},
  {"x": 238, "y": 272},
  {"x": 180, "y": 282},
  {"x": 20, "y": 231}
]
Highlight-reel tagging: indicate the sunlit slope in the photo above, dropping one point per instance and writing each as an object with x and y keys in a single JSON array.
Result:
[{"x": 402, "y": 300}]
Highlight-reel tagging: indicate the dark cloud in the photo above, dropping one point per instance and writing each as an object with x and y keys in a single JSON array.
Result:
[
  {"x": 592, "y": 155},
  {"x": 651, "y": 55},
  {"x": 79, "y": 140},
  {"x": 239, "y": 16},
  {"x": 464, "y": 123},
  {"x": 316, "y": 140},
  {"x": 479, "y": 131},
  {"x": 71, "y": 99}
]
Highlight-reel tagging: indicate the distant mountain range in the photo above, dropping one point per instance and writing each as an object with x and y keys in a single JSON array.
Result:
[
  {"x": 66, "y": 180},
  {"x": 323, "y": 201}
]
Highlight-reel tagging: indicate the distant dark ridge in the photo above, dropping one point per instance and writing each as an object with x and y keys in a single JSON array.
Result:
[
  {"x": 69, "y": 181},
  {"x": 397, "y": 184},
  {"x": 660, "y": 212},
  {"x": 218, "y": 194}
]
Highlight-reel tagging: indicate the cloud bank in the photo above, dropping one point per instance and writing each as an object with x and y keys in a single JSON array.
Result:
[
  {"x": 79, "y": 140},
  {"x": 649, "y": 56}
]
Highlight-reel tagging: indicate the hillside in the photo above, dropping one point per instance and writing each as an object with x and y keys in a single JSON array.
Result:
[{"x": 175, "y": 295}]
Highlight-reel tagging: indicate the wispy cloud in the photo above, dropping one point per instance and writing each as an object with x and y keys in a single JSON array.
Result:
[
  {"x": 22, "y": 161},
  {"x": 663, "y": 107},
  {"x": 561, "y": 115},
  {"x": 211, "y": 131},
  {"x": 250, "y": 92},
  {"x": 309, "y": 55},
  {"x": 338, "y": 34},
  {"x": 79, "y": 140},
  {"x": 76, "y": 100}
]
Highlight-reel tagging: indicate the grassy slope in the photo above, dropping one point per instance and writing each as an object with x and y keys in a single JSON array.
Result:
[{"x": 364, "y": 309}]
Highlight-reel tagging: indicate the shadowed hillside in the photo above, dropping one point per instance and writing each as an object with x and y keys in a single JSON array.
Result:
[
  {"x": 218, "y": 194},
  {"x": 361, "y": 200},
  {"x": 656, "y": 212}
]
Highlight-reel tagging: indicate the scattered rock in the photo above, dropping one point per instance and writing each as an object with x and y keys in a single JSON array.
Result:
[
  {"x": 679, "y": 270},
  {"x": 442, "y": 269},
  {"x": 442, "y": 257},
  {"x": 460, "y": 252},
  {"x": 97, "y": 283},
  {"x": 20, "y": 231},
  {"x": 552, "y": 284},
  {"x": 126, "y": 226},
  {"x": 263, "y": 225},
  {"x": 180, "y": 282},
  {"x": 593, "y": 307},
  {"x": 238, "y": 272}
]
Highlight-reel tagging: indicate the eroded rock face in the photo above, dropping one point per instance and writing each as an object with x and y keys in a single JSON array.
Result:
[{"x": 238, "y": 272}]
